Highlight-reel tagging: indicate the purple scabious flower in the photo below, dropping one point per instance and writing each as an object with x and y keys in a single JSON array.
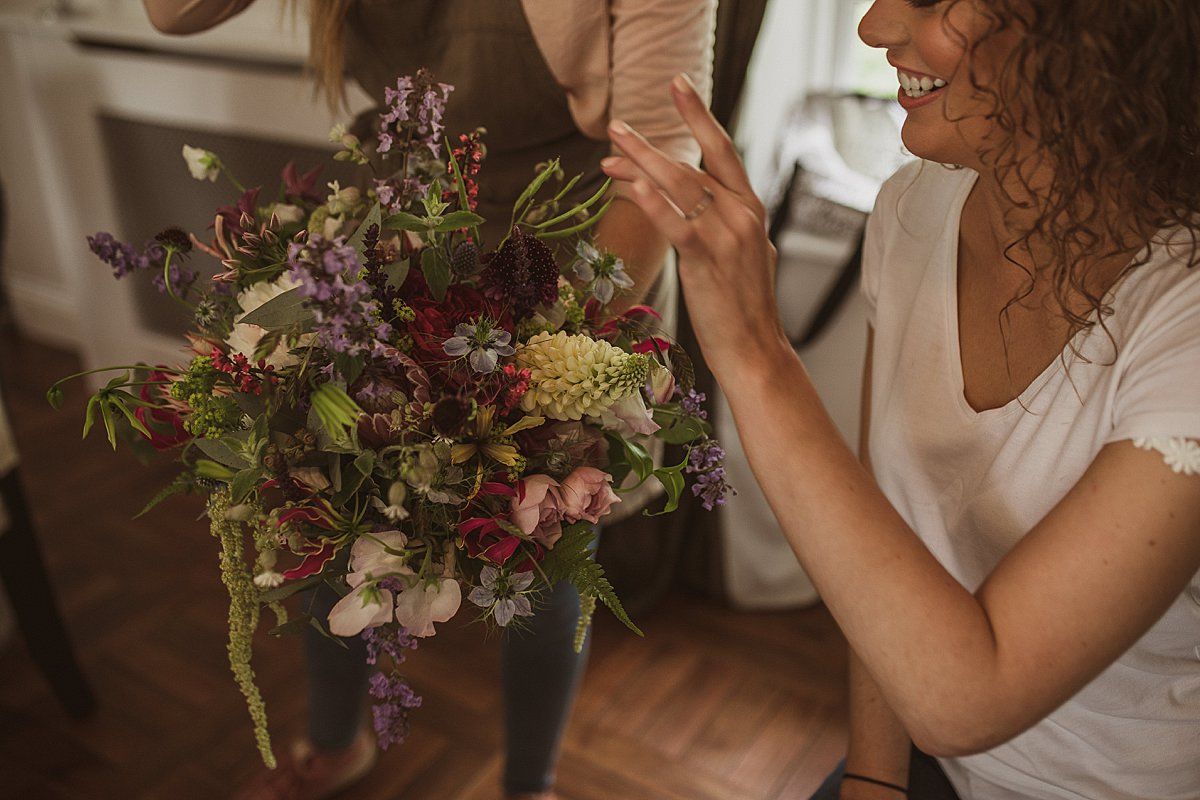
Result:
[
  {"x": 391, "y": 714},
  {"x": 413, "y": 118},
  {"x": 707, "y": 462},
  {"x": 348, "y": 318},
  {"x": 692, "y": 403},
  {"x": 387, "y": 640}
]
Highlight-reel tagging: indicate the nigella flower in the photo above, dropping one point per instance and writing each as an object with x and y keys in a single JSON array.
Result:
[
  {"x": 391, "y": 714},
  {"x": 603, "y": 273},
  {"x": 481, "y": 343},
  {"x": 506, "y": 596},
  {"x": 707, "y": 462}
]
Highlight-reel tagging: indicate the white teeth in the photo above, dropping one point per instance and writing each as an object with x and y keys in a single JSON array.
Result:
[{"x": 918, "y": 86}]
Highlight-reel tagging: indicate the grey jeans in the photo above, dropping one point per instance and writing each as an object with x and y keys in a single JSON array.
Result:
[{"x": 541, "y": 674}]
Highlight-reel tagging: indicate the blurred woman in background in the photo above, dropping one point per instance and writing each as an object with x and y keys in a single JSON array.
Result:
[{"x": 543, "y": 78}]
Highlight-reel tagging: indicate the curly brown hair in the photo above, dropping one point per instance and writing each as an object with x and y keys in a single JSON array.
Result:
[{"x": 1109, "y": 92}]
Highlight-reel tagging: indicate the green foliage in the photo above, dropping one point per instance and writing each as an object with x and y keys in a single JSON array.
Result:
[
  {"x": 281, "y": 312},
  {"x": 571, "y": 560},
  {"x": 625, "y": 456},
  {"x": 182, "y": 483},
  {"x": 436, "y": 266},
  {"x": 336, "y": 411},
  {"x": 677, "y": 426}
]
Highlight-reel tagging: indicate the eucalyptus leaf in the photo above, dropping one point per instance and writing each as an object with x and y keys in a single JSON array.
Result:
[
  {"x": 436, "y": 267},
  {"x": 282, "y": 311},
  {"x": 220, "y": 452},
  {"x": 396, "y": 272},
  {"x": 289, "y": 588},
  {"x": 374, "y": 217}
]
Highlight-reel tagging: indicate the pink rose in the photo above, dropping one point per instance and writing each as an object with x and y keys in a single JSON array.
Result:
[
  {"x": 586, "y": 494},
  {"x": 536, "y": 509}
]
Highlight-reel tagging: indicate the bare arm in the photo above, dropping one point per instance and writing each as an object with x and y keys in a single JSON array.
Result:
[
  {"x": 183, "y": 17},
  {"x": 651, "y": 43},
  {"x": 964, "y": 672},
  {"x": 879, "y": 745}
]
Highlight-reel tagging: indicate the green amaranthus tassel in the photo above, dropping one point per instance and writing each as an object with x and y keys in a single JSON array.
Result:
[
  {"x": 587, "y": 607},
  {"x": 243, "y": 615}
]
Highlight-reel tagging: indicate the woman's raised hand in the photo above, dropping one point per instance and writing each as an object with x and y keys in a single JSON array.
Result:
[{"x": 715, "y": 221}]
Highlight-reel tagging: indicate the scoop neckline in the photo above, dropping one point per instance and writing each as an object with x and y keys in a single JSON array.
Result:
[{"x": 950, "y": 296}]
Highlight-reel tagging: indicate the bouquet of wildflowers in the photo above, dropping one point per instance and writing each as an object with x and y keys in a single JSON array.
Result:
[{"x": 377, "y": 400}]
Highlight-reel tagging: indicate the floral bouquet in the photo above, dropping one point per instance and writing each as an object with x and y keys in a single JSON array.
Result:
[{"x": 381, "y": 403}]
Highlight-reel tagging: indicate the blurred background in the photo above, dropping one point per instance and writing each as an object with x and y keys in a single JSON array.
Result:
[{"x": 113, "y": 679}]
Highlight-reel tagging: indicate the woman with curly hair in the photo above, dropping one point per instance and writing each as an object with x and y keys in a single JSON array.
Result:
[{"x": 1014, "y": 558}]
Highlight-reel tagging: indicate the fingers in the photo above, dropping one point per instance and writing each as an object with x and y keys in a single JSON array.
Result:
[
  {"x": 680, "y": 184},
  {"x": 720, "y": 155},
  {"x": 664, "y": 215}
]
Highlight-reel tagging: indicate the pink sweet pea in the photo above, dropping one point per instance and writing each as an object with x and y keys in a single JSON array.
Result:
[
  {"x": 586, "y": 494},
  {"x": 536, "y": 509}
]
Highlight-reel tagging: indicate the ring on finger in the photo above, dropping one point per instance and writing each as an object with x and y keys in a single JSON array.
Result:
[{"x": 702, "y": 206}]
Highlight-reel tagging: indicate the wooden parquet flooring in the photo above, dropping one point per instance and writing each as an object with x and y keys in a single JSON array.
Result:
[{"x": 712, "y": 705}]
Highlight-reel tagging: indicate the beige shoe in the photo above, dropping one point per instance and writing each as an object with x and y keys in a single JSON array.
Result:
[{"x": 310, "y": 774}]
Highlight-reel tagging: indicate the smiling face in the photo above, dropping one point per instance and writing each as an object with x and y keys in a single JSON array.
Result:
[{"x": 944, "y": 53}]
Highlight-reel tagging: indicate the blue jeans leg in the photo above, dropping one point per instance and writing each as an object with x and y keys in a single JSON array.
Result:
[
  {"x": 541, "y": 674},
  {"x": 337, "y": 678}
]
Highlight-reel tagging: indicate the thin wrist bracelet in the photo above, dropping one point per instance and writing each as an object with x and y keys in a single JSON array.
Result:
[{"x": 850, "y": 776}]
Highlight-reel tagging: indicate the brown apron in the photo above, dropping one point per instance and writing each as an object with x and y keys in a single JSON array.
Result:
[{"x": 486, "y": 50}]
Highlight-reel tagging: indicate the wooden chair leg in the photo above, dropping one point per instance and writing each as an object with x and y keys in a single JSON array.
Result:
[{"x": 23, "y": 572}]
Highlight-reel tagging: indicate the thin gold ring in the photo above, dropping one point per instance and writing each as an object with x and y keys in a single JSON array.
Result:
[{"x": 704, "y": 204}]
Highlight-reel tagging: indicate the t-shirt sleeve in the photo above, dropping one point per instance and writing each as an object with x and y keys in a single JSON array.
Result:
[
  {"x": 1158, "y": 393},
  {"x": 872, "y": 257}
]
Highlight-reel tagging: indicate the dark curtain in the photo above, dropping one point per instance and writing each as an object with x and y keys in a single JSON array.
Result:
[{"x": 645, "y": 555}]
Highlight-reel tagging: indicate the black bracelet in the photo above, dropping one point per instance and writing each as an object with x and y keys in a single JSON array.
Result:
[{"x": 850, "y": 776}]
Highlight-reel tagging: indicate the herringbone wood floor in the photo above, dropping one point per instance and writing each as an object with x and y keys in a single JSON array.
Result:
[{"x": 712, "y": 705}]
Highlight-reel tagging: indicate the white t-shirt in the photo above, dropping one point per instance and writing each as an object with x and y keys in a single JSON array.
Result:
[{"x": 971, "y": 484}]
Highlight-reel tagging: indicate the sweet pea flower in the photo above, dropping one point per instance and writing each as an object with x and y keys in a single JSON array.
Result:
[
  {"x": 424, "y": 603},
  {"x": 202, "y": 164},
  {"x": 661, "y": 383},
  {"x": 369, "y": 604},
  {"x": 629, "y": 416},
  {"x": 536, "y": 509},
  {"x": 586, "y": 494}
]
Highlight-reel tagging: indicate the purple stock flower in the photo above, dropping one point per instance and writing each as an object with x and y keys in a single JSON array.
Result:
[
  {"x": 348, "y": 318},
  {"x": 707, "y": 462},
  {"x": 391, "y": 714},
  {"x": 692, "y": 403}
]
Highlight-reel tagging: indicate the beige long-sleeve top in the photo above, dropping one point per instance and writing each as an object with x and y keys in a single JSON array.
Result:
[{"x": 613, "y": 58}]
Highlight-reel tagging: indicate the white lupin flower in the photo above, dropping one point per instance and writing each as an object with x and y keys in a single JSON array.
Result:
[
  {"x": 575, "y": 376},
  {"x": 202, "y": 164}
]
